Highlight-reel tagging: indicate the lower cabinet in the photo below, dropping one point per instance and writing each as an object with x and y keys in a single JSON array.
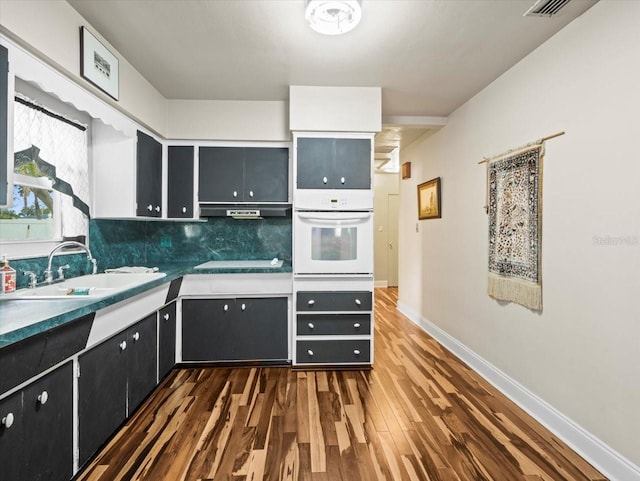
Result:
[
  {"x": 115, "y": 377},
  {"x": 243, "y": 329},
  {"x": 167, "y": 340},
  {"x": 36, "y": 430}
]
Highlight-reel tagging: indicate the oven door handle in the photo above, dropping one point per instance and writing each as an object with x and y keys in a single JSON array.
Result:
[{"x": 321, "y": 216}]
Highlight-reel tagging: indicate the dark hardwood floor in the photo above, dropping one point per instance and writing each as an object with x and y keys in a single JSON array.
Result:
[{"x": 420, "y": 414}]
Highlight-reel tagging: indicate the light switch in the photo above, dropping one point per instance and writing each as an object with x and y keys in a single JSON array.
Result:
[{"x": 417, "y": 227}]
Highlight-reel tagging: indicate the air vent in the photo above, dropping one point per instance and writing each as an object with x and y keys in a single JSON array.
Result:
[{"x": 546, "y": 8}]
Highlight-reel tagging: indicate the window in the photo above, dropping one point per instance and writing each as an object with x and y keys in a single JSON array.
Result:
[{"x": 51, "y": 181}]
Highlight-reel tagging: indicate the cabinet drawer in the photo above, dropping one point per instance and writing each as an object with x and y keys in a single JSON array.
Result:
[
  {"x": 334, "y": 301},
  {"x": 333, "y": 352},
  {"x": 333, "y": 324}
]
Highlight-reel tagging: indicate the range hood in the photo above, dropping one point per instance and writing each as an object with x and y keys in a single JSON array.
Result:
[{"x": 245, "y": 211}]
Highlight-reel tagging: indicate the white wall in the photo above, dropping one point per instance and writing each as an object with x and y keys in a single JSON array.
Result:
[
  {"x": 52, "y": 29},
  {"x": 383, "y": 185},
  {"x": 582, "y": 353},
  {"x": 228, "y": 120}
]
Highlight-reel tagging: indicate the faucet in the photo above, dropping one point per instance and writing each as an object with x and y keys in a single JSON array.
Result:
[{"x": 48, "y": 274}]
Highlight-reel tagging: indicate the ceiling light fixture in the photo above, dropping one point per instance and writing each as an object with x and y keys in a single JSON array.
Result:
[{"x": 333, "y": 17}]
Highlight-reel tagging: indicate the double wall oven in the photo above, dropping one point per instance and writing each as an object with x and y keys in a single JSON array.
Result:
[{"x": 333, "y": 249}]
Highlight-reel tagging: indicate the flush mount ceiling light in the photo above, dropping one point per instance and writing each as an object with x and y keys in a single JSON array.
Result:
[{"x": 333, "y": 17}]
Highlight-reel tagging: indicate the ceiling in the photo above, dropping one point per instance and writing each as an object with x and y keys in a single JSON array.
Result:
[{"x": 429, "y": 56}]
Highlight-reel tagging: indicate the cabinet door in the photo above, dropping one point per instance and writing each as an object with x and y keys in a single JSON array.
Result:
[
  {"x": 220, "y": 174},
  {"x": 208, "y": 329},
  {"x": 48, "y": 426},
  {"x": 261, "y": 329},
  {"x": 266, "y": 174},
  {"x": 149, "y": 177},
  {"x": 142, "y": 361},
  {"x": 4, "y": 99},
  {"x": 102, "y": 393},
  {"x": 167, "y": 340},
  {"x": 352, "y": 164},
  {"x": 314, "y": 163},
  {"x": 12, "y": 439},
  {"x": 180, "y": 181}
]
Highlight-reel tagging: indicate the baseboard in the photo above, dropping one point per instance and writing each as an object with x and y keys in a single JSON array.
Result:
[
  {"x": 380, "y": 284},
  {"x": 609, "y": 462}
]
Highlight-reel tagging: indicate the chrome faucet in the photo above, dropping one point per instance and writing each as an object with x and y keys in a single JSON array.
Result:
[{"x": 48, "y": 274}]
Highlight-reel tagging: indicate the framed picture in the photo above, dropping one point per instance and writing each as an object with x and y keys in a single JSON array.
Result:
[
  {"x": 98, "y": 65},
  {"x": 429, "y": 199}
]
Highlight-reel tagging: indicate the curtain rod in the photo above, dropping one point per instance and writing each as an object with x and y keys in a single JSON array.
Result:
[
  {"x": 548, "y": 137},
  {"x": 49, "y": 113}
]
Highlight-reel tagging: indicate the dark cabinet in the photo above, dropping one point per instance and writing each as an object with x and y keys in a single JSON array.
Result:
[
  {"x": 148, "y": 177},
  {"x": 36, "y": 430},
  {"x": 167, "y": 340},
  {"x": 180, "y": 181},
  {"x": 4, "y": 98},
  {"x": 234, "y": 329},
  {"x": 115, "y": 377},
  {"x": 243, "y": 174},
  {"x": 329, "y": 163}
]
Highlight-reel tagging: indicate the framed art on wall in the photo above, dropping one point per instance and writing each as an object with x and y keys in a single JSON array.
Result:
[
  {"x": 429, "y": 204},
  {"x": 98, "y": 65}
]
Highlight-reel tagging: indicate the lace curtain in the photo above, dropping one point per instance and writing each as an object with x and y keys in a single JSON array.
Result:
[{"x": 59, "y": 147}]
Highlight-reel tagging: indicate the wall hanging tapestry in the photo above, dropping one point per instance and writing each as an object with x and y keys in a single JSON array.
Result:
[{"x": 515, "y": 226}]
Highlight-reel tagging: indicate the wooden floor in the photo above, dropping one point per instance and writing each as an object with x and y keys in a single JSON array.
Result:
[{"x": 420, "y": 414}]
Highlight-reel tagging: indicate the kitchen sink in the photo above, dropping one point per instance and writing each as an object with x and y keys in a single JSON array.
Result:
[{"x": 89, "y": 286}]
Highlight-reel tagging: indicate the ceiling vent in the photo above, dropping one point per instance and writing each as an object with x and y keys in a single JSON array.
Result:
[{"x": 545, "y": 8}]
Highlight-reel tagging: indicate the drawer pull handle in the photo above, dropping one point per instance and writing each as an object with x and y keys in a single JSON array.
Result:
[
  {"x": 184, "y": 210},
  {"x": 150, "y": 208},
  {"x": 356, "y": 352},
  {"x": 243, "y": 307},
  {"x": 356, "y": 325},
  {"x": 235, "y": 193},
  {"x": 136, "y": 336},
  {"x": 310, "y": 352},
  {"x": 311, "y": 302},
  {"x": 311, "y": 326},
  {"x": 43, "y": 397},
  {"x": 358, "y": 302},
  {"x": 342, "y": 180},
  {"x": 123, "y": 345},
  {"x": 7, "y": 421},
  {"x": 250, "y": 193},
  {"x": 157, "y": 208},
  {"x": 226, "y": 307},
  {"x": 324, "y": 180},
  {"x": 166, "y": 317}
]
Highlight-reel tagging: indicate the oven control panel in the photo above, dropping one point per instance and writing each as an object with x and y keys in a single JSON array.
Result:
[{"x": 335, "y": 199}]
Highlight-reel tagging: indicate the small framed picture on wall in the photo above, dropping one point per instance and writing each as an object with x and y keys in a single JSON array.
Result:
[
  {"x": 98, "y": 65},
  {"x": 429, "y": 204}
]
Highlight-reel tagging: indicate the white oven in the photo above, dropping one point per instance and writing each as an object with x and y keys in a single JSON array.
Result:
[{"x": 333, "y": 243}]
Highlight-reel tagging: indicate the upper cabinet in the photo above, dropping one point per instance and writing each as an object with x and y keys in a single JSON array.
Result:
[
  {"x": 149, "y": 176},
  {"x": 180, "y": 181},
  {"x": 243, "y": 174},
  {"x": 4, "y": 105},
  {"x": 333, "y": 163}
]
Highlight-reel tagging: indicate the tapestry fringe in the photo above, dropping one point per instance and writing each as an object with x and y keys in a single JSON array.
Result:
[{"x": 524, "y": 293}]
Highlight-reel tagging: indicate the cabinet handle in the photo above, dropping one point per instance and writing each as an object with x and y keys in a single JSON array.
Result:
[
  {"x": 250, "y": 193},
  {"x": 136, "y": 336},
  {"x": 342, "y": 180},
  {"x": 311, "y": 326},
  {"x": 356, "y": 325},
  {"x": 123, "y": 345},
  {"x": 310, "y": 352},
  {"x": 166, "y": 317},
  {"x": 184, "y": 210},
  {"x": 324, "y": 180},
  {"x": 235, "y": 193},
  {"x": 358, "y": 303},
  {"x": 150, "y": 208},
  {"x": 356, "y": 352},
  {"x": 311, "y": 302},
  {"x": 43, "y": 397},
  {"x": 243, "y": 307},
  {"x": 226, "y": 307},
  {"x": 157, "y": 208},
  {"x": 7, "y": 421}
]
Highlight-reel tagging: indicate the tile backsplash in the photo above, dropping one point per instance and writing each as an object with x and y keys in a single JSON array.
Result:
[{"x": 116, "y": 243}]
